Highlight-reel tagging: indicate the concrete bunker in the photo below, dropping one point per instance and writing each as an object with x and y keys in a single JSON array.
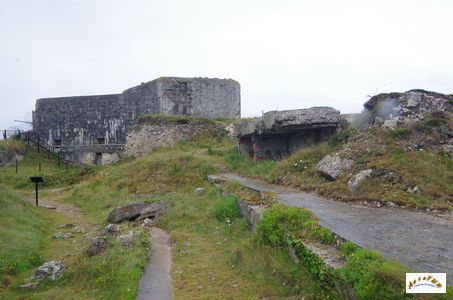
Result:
[{"x": 281, "y": 133}]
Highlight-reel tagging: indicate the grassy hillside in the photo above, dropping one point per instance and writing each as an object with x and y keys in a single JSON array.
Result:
[
  {"x": 214, "y": 254},
  {"x": 414, "y": 153}
]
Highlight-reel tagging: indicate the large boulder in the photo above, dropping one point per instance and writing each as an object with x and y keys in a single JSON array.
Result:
[
  {"x": 127, "y": 212},
  {"x": 331, "y": 166},
  {"x": 136, "y": 210}
]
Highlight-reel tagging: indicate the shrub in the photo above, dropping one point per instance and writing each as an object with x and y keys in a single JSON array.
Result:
[
  {"x": 226, "y": 208},
  {"x": 401, "y": 133},
  {"x": 280, "y": 220},
  {"x": 341, "y": 137},
  {"x": 347, "y": 248},
  {"x": 323, "y": 235},
  {"x": 371, "y": 276}
]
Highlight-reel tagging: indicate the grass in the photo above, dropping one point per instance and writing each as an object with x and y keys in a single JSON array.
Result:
[
  {"x": 22, "y": 236},
  {"x": 217, "y": 259}
]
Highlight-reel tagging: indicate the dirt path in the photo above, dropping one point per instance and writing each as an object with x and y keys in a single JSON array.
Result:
[
  {"x": 422, "y": 242},
  {"x": 156, "y": 281}
]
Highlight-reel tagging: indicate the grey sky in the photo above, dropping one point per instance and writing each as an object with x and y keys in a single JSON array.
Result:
[{"x": 285, "y": 54}]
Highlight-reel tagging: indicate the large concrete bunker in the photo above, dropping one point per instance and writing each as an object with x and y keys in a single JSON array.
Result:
[{"x": 280, "y": 133}]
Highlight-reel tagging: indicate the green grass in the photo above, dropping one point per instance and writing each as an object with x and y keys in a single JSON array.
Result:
[
  {"x": 21, "y": 236},
  {"x": 217, "y": 259}
]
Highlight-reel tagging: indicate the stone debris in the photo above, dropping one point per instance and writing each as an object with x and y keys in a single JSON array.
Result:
[
  {"x": 413, "y": 190},
  {"x": 51, "y": 269},
  {"x": 78, "y": 229},
  {"x": 127, "y": 240},
  {"x": 356, "y": 180},
  {"x": 199, "y": 190},
  {"x": 63, "y": 236},
  {"x": 147, "y": 222},
  {"x": 28, "y": 286},
  {"x": 110, "y": 229},
  {"x": 98, "y": 245},
  {"x": 332, "y": 166}
]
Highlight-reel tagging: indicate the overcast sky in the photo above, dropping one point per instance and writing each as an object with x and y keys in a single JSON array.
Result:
[{"x": 286, "y": 54}]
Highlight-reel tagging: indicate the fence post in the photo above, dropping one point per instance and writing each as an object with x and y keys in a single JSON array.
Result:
[
  {"x": 17, "y": 165},
  {"x": 28, "y": 138},
  {"x": 38, "y": 144},
  {"x": 48, "y": 154},
  {"x": 39, "y": 168},
  {"x": 4, "y": 134}
]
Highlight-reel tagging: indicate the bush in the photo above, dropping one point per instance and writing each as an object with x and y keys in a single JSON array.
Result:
[
  {"x": 400, "y": 134},
  {"x": 371, "y": 276},
  {"x": 341, "y": 137},
  {"x": 279, "y": 221},
  {"x": 226, "y": 208}
]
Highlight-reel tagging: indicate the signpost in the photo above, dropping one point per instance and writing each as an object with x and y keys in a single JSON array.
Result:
[{"x": 36, "y": 180}]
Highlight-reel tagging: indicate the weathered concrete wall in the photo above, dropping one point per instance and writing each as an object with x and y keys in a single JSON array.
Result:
[{"x": 87, "y": 120}]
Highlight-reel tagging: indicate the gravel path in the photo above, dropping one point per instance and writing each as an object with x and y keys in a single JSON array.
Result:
[
  {"x": 156, "y": 281},
  {"x": 422, "y": 242}
]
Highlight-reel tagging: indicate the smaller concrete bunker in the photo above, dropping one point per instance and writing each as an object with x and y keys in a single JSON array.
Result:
[{"x": 280, "y": 133}]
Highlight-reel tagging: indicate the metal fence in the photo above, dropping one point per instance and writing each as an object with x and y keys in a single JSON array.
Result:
[{"x": 34, "y": 141}]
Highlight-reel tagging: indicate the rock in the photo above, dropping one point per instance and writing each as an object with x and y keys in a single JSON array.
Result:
[
  {"x": 136, "y": 210},
  {"x": 78, "y": 229},
  {"x": 199, "y": 190},
  {"x": 147, "y": 222},
  {"x": 392, "y": 177},
  {"x": 358, "y": 178},
  {"x": 28, "y": 286},
  {"x": 376, "y": 204},
  {"x": 110, "y": 229},
  {"x": 127, "y": 240},
  {"x": 127, "y": 212},
  {"x": 67, "y": 226},
  {"x": 230, "y": 130},
  {"x": 154, "y": 209},
  {"x": 414, "y": 190},
  {"x": 331, "y": 166},
  {"x": 97, "y": 246},
  {"x": 391, "y": 204},
  {"x": 214, "y": 179},
  {"x": 413, "y": 99},
  {"x": 379, "y": 121},
  {"x": 390, "y": 124},
  {"x": 63, "y": 236},
  {"x": 51, "y": 269}
]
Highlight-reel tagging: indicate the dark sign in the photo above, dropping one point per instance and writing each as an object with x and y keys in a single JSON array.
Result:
[{"x": 36, "y": 179}]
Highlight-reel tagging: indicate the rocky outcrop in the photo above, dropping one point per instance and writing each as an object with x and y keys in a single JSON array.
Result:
[
  {"x": 332, "y": 166},
  {"x": 392, "y": 109},
  {"x": 136, "y": 210},
  {"x": 155, "y": 132}
]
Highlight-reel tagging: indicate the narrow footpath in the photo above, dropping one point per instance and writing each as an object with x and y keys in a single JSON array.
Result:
[
  {"x": 156, "y": 281},
  {"x": 421, "y": 241}
]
